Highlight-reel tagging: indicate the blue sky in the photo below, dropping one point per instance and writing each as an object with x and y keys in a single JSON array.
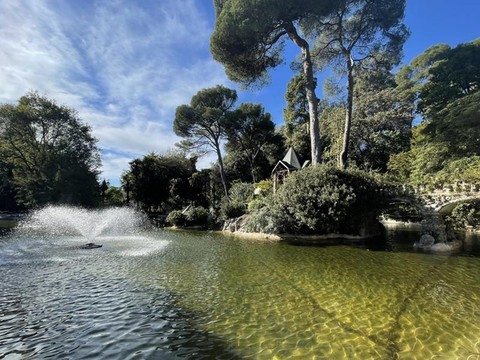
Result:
[{"x": 126, "y": 65}]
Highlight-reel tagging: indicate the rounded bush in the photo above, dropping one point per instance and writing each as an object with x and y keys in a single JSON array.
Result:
[
  {"x": 197, "y": 216},
  {"x": 231, "y": 209},
  {"x": 465, "y": 214},
  {"x": 176, "y": 218},
  {"x": 323, "y": 200}
]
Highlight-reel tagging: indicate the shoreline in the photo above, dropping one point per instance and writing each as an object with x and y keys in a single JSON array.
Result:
[{"x": 328, "y": 239}]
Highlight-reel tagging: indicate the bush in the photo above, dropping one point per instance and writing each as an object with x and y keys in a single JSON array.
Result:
[
  {"x": 264, "y": 187},
  {"x": 465, "y": 214},
  {"x": 176, "y": 218},
  {"x": 256, "y": 204},
  {"x": 321, "y": 200},
  {"x": 230, "y": 210},
  {"x": 197, "y": 216},
  {"x": 240, "y": 192},
  {"x": 403, "y": 212}
]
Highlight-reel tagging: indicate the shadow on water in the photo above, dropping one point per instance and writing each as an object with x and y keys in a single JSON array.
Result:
[
  {"x": 182, "y": 338},
  {"x": 394, "y": 240},
  {"x": 95, "y": 304},
  {"x": 99, "y": 318}
]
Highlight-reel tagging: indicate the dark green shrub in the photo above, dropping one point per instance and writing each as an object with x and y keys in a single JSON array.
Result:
[
  {"x": 240, "y": 192},
  {"x": 321, "y": 200},
  {"x": 230, "y": 210},
  {"x": 403, "y": 212},
  {"x": 176, "y": 218},
  {"x": 256, "y": 204},
  {"x": 197, "y": 216},
  {"x": 465, "y": 214}
]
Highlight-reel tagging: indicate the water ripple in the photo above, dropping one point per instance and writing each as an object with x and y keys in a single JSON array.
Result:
[{"x": 202, "y": 296}]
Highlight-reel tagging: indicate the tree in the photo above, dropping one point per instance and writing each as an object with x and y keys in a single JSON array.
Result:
[
  {"x": 381, "y": 123},
  {"x": 159, "y": 181},
  {"x": 249, "y": 37},
  {"x": 52, "y": 154},
  {"x": 7, "y": 191},
  {"x": 445, "y": 146},
  {"x": 251, "y": 130},
  {"x": 204, "y": 122},
  {"x": 114, "y": 196},
  {"x": 296, "y": 117},
  {"x": 357, "y": 33},
  {"x": 454, "y": 75},
  {"x": 103, "y": 188},
  {"x": 382, "y": 120}
]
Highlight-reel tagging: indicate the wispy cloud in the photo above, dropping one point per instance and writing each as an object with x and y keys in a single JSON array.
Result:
[{"x": 125, "y": 66}]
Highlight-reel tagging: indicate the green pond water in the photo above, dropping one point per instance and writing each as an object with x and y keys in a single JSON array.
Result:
[{"x": 194, "y": 295}]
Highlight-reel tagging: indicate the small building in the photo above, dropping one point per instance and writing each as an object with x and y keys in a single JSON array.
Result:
[{"x": 284, "y": 167}]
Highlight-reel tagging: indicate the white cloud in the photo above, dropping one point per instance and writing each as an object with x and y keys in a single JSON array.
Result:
[{"x": 125, "y": 66}]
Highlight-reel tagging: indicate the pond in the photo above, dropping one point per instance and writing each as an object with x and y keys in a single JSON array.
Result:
[{"x": 177, "y": 294}]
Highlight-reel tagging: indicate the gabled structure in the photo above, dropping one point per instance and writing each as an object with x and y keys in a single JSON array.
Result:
[{"x": 284, "y": 167}]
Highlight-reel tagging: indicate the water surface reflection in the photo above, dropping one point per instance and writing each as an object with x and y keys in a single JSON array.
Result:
[{"x": 202, "y": 295}]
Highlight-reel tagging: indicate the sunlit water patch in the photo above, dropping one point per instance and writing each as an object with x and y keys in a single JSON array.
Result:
[{"x": 198, "y": 295}]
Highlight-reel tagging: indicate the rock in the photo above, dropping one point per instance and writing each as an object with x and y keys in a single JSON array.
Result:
[
  {"x": 446, "y": 247},
  {"x": 426, "y": 241},
  {"x": 235, "y": 224}
]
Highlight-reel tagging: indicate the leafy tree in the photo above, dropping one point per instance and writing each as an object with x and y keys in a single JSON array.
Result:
[
  {"x": 113, "y": 196},
  {"x": 451, "y": 77},
  {"x": 381, "y": 123},
  {"x": 236, "y": 160},
  {"x": 296, "y": 117},
  {"x": 251, "y": 131},
  {"x": 103, "y": 188},
  {"x": 332, "y": 115},
  {"x": 358, "y": 33},
  {"x": 201, "y": 185},
  {"x": 466, "y": 215},
  {"x": 159, "y": 181},
  {"x": 7, "y": 191},
  {"x": 249, "y": 37},
  {"x": 204, "y": 122},
  {"x": 445, "y": 146},
  {"x": 382, "y": 120},
  {"x": 52, "y": 155}
]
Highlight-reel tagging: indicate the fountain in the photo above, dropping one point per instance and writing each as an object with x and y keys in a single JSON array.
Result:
[{"x": 89, "y": 224}]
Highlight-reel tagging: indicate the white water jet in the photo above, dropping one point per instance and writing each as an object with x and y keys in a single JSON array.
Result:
[{"x": 90, "y": 224}]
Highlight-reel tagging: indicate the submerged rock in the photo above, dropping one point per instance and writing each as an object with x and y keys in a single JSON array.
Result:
[
  {"x": 426, "y": 241},
  {"x": 446, "y": 247}
]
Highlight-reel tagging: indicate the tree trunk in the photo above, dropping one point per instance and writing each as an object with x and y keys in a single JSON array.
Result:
[
  {"x": 343, "y": 160},
  {"x": 222, "y": 170},
  {"x": 310, "y": 92},
  {"x": 252, "y": 170}
]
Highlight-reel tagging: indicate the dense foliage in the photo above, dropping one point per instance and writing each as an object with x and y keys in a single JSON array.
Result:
[
  {"x": 158, "y": 182},
  {"x": 239, "y": 196},
  {"x": 192, "y": 217},
  {"x": 204, "y": 122},
  {"x": 47, "y": 155},
  {"x": 465, "y": 215},
  {"x": 446, "y": 146},
  {"x": 359, "y": 34},
  {"x": 321, "y": 200},
  {"x": 250, "y": 47},
  {"x": 296, "y": 117},
  {"x": 249, "y": 134}
]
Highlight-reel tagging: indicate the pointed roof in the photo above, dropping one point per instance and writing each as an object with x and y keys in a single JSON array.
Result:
[{"x": 291, "y": 158}]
